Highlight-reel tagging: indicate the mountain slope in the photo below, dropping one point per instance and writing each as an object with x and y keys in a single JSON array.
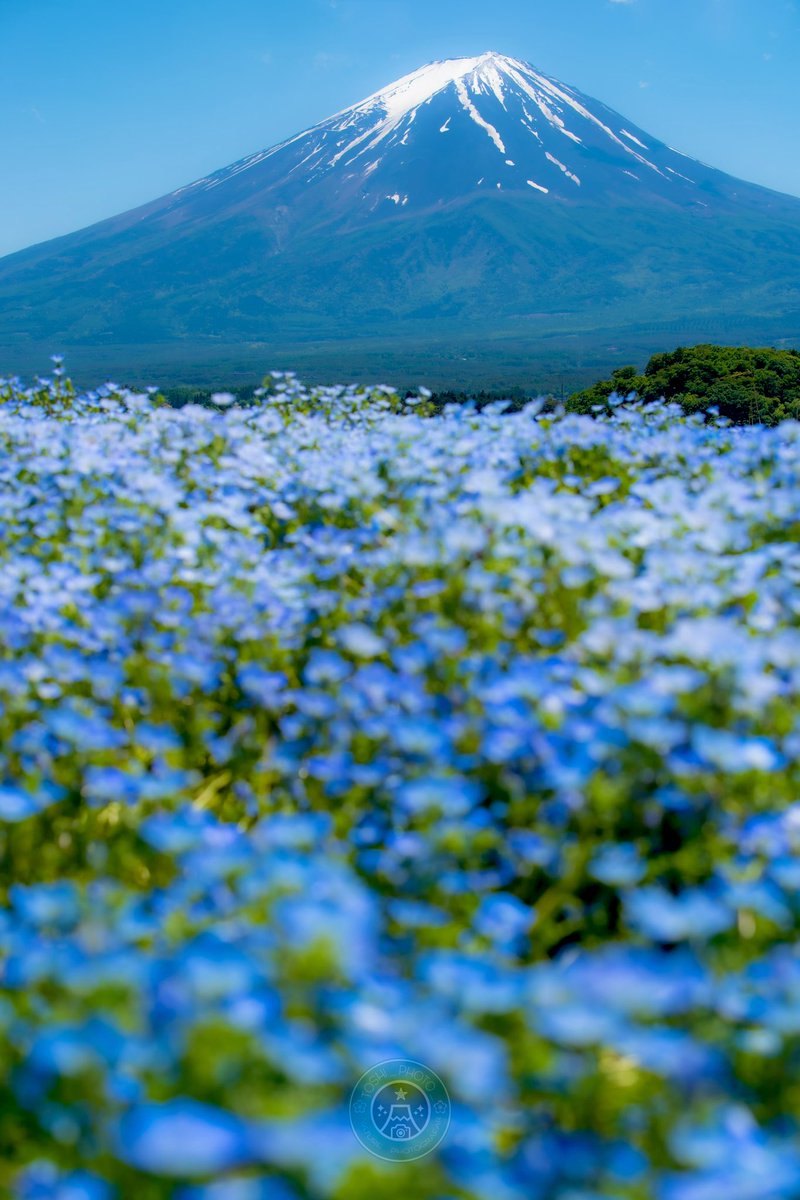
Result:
[{"x": 474, "y": 194}]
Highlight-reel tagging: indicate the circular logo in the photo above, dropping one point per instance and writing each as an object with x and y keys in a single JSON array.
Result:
[{"x": 400, "y": 1110}]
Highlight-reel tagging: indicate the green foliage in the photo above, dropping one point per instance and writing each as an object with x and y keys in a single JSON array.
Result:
[{"x": 748, "y": 386}]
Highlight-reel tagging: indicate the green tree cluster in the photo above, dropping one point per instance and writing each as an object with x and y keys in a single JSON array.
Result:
[{"x": 747, "y": 385}]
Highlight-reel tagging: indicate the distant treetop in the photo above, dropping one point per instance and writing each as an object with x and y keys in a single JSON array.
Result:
[{"x": 749, "y": 386}]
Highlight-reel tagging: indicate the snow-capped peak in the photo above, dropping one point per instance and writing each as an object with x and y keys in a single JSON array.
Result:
[
  {"x": 486, "y": 75},
  {"x": 408, "y": 93},
  {"x": 462, "y": 126}
]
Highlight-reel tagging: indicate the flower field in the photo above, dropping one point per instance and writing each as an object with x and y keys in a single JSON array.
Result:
[{"x": 332, "y": 732}]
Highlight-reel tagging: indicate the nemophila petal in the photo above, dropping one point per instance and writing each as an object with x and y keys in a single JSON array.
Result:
[
  {"x": 660, "y": 735},
  {"x": 177, "y": 833},
  {"x": 264, "y": 1187},
  {"x": 765, "y": 1043},
  {"x": 710, "y": 1143},
  {"x": 730, "y": 752},
  {"x": 618, "y": 866},
  {"x": 786, "y": 873},
  {"x": 358, "y": 639},
  {"x": 674, "y": 799},
  {"x": 117, "y": 968},
  {"x": 214, "y": 969},
  {"x": 111, "y": 785},
  {"x": 66, "y": 1053},
  {"x": 47, "y": 904},
  {"x": 472, "y": 982},
  {"x": 90, "y": 732},
  {"x": 32, "y": 960},
  {"x": 603, "y": 487},
  {"x": 484, "y": 1176},
  {"x": 346, "y": 927},
  {"x": 266, "y": 687},
  {"x": 326, "y": 667},
  {"x": 17, "y": 804},
  {"x": 776, "y": 1180},
  {"x": 181, "y": 1137},
  {"x": 562, "y": 1160},
  {"x": 672, "y": 1053},
  {"x": 694, "y": 913},
  {"x": 302, "y": 1053},
  {"x": 772, "y": 833},
  {"x": 759, "y": 896},
  {"x": 452, "y": 796},
  {"x": 158, "y": 739},
  {"x": 638, "y": 980},
  {"x": 531, "y": 847},
  {"x": 625, "y": 1162},
  {"x": 420, "y": 736},
  {"x": 285, "y": 1144},
  {"x": 470, "y": 1061},
  {"x": 293, "y": 830},
  {"x": 44, "y": 1181},
  {"x": 503, "y": 918},
  {"x": 416, "y": 914},
  {"x": 167, "y": 784}
]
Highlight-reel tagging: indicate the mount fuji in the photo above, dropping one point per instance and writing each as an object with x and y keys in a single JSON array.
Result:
[{"x": 475, "y": 197}]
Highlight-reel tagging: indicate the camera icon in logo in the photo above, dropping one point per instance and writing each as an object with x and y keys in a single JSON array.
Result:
[{"x": 400, "y": 1110}]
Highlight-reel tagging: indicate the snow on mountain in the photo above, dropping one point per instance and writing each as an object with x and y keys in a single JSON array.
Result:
[{"x": 455, "y": 127}]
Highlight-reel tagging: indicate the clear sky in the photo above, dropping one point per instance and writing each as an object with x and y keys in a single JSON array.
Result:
[{"x": 105, "y": 104}]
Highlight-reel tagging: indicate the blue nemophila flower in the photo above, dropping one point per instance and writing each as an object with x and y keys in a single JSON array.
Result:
[
  {"x": 54, "y": 904},
  {"x": 111, "y": 785},
  {"x": 215, "y": 970},
  {"x": 181, "y": 1137},
  {"x": 361, "y": 641},
  {"x": 503, "y": 918},
  {"x": 44, "y": 1181},
  {"x": 695, "y": 913},
  {"x": 158, "y": 739},
  {"x": 731, "y": 753},
  {"x": 326, "y": 667},
  {"x": 167, "y": 783},
  {"x": 476, "y": 983},
  {"x": 416, "y": 914},
  {"x": 177, "y": 833},
  {"x": 759, "y": 896},
  {"x": 285, "y": 1144},
  {"x": 71, "y": 1051},
  {"x": 331, "y": 733},
  {"x": 572, "y": 1023},
  {"x": 263, "y": 1187},
  {"x": 671, "y": 1053},
  {"x": 786, "y": 873},
  {"x": 90, "y": 732},
  {"x": 734, "y": 1157},
  {"x": 266, "y": 687},
  {"x": 17, "y": 804},
  {"x": 632, "y": 980},
  {"x": 451, "y": 795},
  {"x": 619, "y": 866},
  {"x": 425, "y": 737}
]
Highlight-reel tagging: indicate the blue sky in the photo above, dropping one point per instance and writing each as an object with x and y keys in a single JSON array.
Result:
[{"x": 105, "y": 104}]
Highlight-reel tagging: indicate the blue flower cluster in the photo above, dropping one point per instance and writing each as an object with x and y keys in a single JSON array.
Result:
[{"x": 334, "y": 732}]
